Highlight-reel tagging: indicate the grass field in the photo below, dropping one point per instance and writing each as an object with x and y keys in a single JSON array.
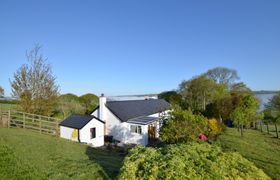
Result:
[
  {"x": 28, "y": 155},
  {"x": 5, "y": 106},
  {"x": 260, "y": 148}
]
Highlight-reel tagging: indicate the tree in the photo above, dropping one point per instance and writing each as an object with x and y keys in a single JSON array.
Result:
[
  {"x": 35, "y": 85},
  {"x": 89, "y": 102},
  {"x": 171, "y": 96},
  {"x": 1, "y": 92},
  {"x": 245, "y": 112},
  {"x": 274, "y": 103},
  {"x": 221, "y": 106},
  {"x": 272, "y": 111},
  {"x": 69, "y": 104},
  {"x": 222, "y": 75},
  {"x": 198, "y": 92},
  {"x": 183, "y": 126},
  {"x": 274, "y": 117}
]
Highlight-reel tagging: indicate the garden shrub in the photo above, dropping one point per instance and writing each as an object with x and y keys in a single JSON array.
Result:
[
  {"x": 183, "y": 126},
  {"x": 215, "y": 127},
  {"x": 187, "y": 161}
]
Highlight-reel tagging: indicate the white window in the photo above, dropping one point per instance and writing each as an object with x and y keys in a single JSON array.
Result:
[{"x": 136, "y": 129}]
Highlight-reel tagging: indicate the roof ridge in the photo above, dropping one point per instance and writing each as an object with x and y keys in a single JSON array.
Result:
[{"x": 134, "y": 100}]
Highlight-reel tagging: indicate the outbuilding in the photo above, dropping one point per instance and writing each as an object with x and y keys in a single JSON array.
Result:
[{"x": 83, "y": 128}]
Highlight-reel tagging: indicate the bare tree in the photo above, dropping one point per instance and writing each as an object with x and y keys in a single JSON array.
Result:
[
  {"x": 35, "y": 85},
  {"x": 222, "y": 75},
  {"x": 1, "y": 92}
]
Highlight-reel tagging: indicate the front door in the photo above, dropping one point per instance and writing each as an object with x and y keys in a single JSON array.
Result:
[{"x": 152, "y": 132}]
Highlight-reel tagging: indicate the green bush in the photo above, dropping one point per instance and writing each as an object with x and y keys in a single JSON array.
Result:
[
  {"x": 183, "y": 126},
  {"x": 187, "y": 161}
]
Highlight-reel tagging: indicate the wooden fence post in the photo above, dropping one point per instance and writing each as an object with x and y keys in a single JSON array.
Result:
[
  {"x": 1, "y": 115},
  {"x": 9, "y": 118},
  {"x": 57, "y": 128},
  {"x": 267, "y": 128},
  {"x": 23, "y": 120},
  {"x": 40, "y": 124}
]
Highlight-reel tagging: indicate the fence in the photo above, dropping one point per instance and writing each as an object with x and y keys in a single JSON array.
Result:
[
  {"x": 38, "y": 123},
  {"x": 268, "y": 128}
]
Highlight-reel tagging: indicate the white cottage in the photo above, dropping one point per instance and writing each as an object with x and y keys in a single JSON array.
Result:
[
  {"x": 83, "y": 128},
  {"x": 129, "y": 122},
  {"x": 132, "y": 121}
]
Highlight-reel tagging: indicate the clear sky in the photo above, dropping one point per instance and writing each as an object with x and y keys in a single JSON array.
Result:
[{"x": 136, "y": 46}]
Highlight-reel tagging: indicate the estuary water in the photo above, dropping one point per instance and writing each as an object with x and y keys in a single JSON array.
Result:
[{"x": 264, "y": 99}]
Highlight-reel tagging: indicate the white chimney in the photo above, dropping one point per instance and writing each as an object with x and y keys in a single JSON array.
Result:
[{"x": 102, "y": 108}]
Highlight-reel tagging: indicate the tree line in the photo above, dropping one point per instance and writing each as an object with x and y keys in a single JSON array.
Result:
[{"x": 217, "y": 94}]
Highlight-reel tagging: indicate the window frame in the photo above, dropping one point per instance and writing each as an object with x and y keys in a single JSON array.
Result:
[
  {"x": 137, "y": 129},
  {"x": 93, "y": 132}
]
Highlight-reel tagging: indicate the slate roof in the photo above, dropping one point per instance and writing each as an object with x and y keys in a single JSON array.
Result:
[
  {"x": 126, "y": 110},
  {"x": 143, "y": 120},
  {"x": 78, "y": 121}
]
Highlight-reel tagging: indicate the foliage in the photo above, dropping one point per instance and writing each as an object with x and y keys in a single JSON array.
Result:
[
  {"x": 221, "y": 106},
  {"x": 238, "y": 92},
  {"x": 274, "y": 103},
  {"x": 171, "y": 96},
  {"x": 245, "y": 112},
  {"x": 215, "y": 127},
  {"x": 187, "y": 161},
  {"x": 274, "y": 117},
  {"x": 198, "y": 92},
  {"x": 89, "y": 102},
  {"x": 72, "y": 104},
  {"x": 1, "y": 92},
  {"x": 222, "y": 75},
  {"x": 183, "y": 126},
  {"x": 35, "y": 85},
  {"x": 69, "y": 104},
  {"x": 28, "y": 155},
  {"x": 260, "y": 148}
]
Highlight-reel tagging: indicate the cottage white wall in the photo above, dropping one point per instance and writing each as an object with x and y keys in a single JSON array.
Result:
[
  {"x": 95, "y": 113},
  {"x": 112, "y": 122},
  {"x": 85, "y": 134},
  {"x": 135, "y": 138},
  {"x": 66, "y": 133}
]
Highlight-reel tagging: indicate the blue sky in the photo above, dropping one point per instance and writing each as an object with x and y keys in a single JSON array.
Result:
[{"x": 135, "y": 47}]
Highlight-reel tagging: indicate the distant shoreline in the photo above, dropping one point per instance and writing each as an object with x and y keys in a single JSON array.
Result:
[{"x": 265, "y": 92}]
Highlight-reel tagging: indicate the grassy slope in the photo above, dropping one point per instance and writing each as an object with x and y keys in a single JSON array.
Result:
[
  {"x": 27, "y": 154},
  {"x": 260, "y": 148}
]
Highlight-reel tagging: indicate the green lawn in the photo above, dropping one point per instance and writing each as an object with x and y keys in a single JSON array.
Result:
[
  {"x": 29, "y": 155},
  {"x": 260, "y": 148}
]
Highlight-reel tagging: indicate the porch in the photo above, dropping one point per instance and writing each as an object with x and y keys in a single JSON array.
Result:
[{"x": 146, "y": 126}]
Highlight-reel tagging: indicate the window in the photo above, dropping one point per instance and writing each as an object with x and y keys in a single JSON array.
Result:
[
  {"x": 92, "y": 133},
  {"x": 136, "y": 129}
]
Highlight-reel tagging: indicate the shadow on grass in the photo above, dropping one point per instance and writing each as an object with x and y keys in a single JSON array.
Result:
[{"x": 110, "y": 160}]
